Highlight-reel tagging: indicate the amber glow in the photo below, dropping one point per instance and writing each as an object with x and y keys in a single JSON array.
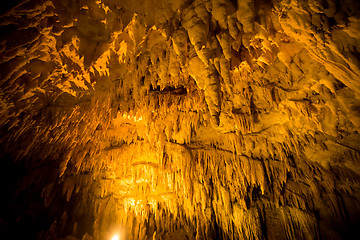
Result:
[
  {"x": 116, "y": 237},
  {"x": 185, "y": 119}
]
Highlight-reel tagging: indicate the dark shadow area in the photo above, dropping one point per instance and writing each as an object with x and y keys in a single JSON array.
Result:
[{"x": 8, "y": 5}]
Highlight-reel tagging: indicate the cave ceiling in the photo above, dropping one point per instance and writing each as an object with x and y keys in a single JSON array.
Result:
[{"x": 159, "y": 119}]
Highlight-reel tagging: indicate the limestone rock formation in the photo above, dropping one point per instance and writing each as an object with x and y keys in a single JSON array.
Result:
[{"x": 180, "y": 119}]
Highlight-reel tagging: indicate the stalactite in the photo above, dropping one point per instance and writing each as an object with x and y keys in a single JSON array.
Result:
[{"x": 199, "y": 119}]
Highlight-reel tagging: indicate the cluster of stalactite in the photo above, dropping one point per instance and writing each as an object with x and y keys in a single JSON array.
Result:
[{"x": 199, "y": 119}]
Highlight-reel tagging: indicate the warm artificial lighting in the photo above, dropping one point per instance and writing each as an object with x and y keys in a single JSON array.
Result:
[
  {"x": 115, "y": 237},
  {"x": 179, "y": 119}
]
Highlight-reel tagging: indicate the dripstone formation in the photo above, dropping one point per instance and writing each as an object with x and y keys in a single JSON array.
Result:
[{"x": 180, "y": 119}]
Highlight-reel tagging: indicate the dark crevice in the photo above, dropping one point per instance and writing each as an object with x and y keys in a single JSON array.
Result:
[{"x": 169, "y": 89}]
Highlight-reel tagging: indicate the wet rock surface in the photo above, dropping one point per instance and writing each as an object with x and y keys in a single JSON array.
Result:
[{"x": 205, "y": 119}]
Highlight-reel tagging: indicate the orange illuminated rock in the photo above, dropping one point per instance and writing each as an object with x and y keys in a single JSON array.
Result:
[{"x": 159, "y": 119}]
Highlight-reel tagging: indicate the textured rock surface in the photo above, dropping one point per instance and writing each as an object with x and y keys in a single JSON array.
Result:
[{"x": 205, "y": 119}]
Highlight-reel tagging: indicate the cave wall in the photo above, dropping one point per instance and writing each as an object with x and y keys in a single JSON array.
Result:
[{"x": 205, "y": 119}]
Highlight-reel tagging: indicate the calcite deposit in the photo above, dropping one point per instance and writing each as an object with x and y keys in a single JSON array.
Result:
[{"x": 180, "y": 119}]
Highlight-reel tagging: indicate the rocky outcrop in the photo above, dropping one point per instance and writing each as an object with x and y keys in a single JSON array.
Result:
[{"x": 205, "y": 119}]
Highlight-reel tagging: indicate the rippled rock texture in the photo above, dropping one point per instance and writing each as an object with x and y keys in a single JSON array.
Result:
[{"x": 159, "y": 119}]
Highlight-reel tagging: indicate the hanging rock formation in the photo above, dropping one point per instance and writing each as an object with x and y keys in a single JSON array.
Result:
[{"x": 185, "y": 119}]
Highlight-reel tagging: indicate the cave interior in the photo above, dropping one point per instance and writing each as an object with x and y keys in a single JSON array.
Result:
[{"x": 180, "y": 119}]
